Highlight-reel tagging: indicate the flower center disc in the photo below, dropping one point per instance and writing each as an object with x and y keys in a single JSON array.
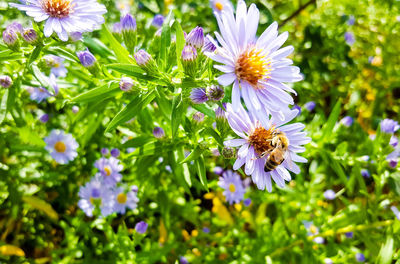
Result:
[
  {"x": 58, "y": 8},
  {"x": 219, "y": 6},
  {"x": 107, "y": 170},
  {"x": 121, "y": 198},
  {"x": 252, "y": 66},
  {"x": 232, "y": 187},
  {"x": 259, "y": 139},
  {"x": 60, "y": 147}
]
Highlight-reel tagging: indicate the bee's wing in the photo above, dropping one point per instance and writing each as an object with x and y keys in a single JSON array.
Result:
[{"x": 288, "y": 160}]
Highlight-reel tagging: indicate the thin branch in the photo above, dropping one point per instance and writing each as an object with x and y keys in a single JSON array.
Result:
[{"x": 297, "y": 12}]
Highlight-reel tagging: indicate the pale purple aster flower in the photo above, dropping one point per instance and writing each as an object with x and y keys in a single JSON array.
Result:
[
  {"x": 393, "y": 163},
  {"x": 183, "y": 260},
  {"x": 347, "y": 121},
  {"x": 349, "y": 38},
  {"x": 195, "y": 38},
  {"x": 221, "y": 5},
  {"x": 134, "y": 188},
  {"x": 141, "y": 227},
  {"x": 158, "y": 20},
  {"x": 5, "y": 81},
  {"x": 256, "y": 67},
  {"x": 126, "y": 84},
  {"x": 104, "y": 151},
  {"x": 255, "y": 148},
  {"x": 65, "y": 16},
  {"x": 393, "y": 141},
  {"x": 206, "y": 230},
  {"x": 62, "y": 146},
  {"x": 75, "y": 36},
  {"x": 218, "y": 170},
  {"x": 312, "y": 230},
  {"x": 75, "y": 109},
  {"x": 117, "y": 28},
  {"x": 395, "y": 211},
  {"x": 298, "y": 108},
  {"x": 365, "y": 173},
  {"x": 349, "y": 234},
  {"x": 232, "y": 185},
  {"x": 158, "y": 132},
  {"x": 351, "y": 20},
  {"x": 115, "y": 152},
  {"x": 309, "y": 106},
  {"x": 16, "y": 27},
  {"x": 360, "y": 257},
  {"x": 56, "y": 64},
  {"x": 247, "y": 202},
  {"x": 128, "y": 23},
  {"x": 44, "y": 118},
  {"x": 198, "y": 95},
  {"x": 329, "y": 194},
  {"x": 208, "y": 45},
  {"x": 198, "y": 117},
  {"x": 39, "y": 94},
  {"x": 30, "y": 36},
  {"x": 389, "y": 125},
  {"x": 109, "y": 170},
  {"x": 215, "y": 92},
  {"x": 123, "y": 200},
  {"x": 95, "y": 193},
  {"x": 86, "y": 58}
]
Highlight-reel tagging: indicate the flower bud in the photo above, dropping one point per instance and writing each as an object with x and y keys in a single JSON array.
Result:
[
  {"x": 310, "y": 106},
  {"x": 208, "y": 45},
  {"x": 44, "y": 118},
  {"x": 89, "y": 61},
  {"x": 215, "y": 93},
  {"x": 188, "y": 58},
  {"x": 196, "y": 38},
  {"x": 158, "y": 21},
  {"x": 5, "y": 81},
  {"x": 126, "y": 84},
  {"x": 158, "y": 132},
  {"x": 30, "y": 36},
  {"x": 76, "y": 36},
  {"x": 146, "y": 62},
  {"x": 198, "y": 117},
  {"x": 228, "y": 152},
  {"x": 10, "y": 38},
  {"x": 75, "y": 109},
  {"x": 128, "y": 29},
  {"x": 198, "y": 95},
  {"x": 115, "y": 152},
  {"x": 347, "y": 121}
]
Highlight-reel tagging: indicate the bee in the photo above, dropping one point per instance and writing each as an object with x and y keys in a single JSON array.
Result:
[{"x": 280, "y": 145}]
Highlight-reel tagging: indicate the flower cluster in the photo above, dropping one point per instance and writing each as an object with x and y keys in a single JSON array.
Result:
[{"x": 258, "y": 69}]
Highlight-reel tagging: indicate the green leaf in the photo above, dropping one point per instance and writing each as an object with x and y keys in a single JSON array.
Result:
[
  {"x": 7, "y": 55},
  {"x": 183, "y": 169},
  {"x": 62, "y": 52},
  {"x": 201, "y": 171},
  {"x": 333, "y": 117},
  {"x": 96, "y": 94},
  {"x": 121, "y": 53},
  {"x": 134, "y": 71},
  {"x": 176, "y": 115},
  {"x": 215, "y": 135},
  {"x": 44, "y": 81},
  {"x": 131, "y": 110},
  {"x": 180, "y": 43},
  {"x": 138, "y": 141},
  {"x": 3, "y": 106},
  {"x": 35, "y": 54},
  {"x": 41, "y": 206},
  {"x": 165, "y": 41},
  {"x": 97, "y": 47},
  {"x": 193, "y": 155},
  {"x": 386, "y": 252},
  {"x": 205, "y": 109},
  {"x": 150, "y": 149}
]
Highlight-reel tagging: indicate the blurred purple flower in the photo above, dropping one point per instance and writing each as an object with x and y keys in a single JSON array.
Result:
[
  {"x": 351, "y": 20},
  {"x": 206, "y": 230},
  {"x": 232, "y": 185},
  {"x": 395, "y": 211},
  {"x": 104, "y": 151},
  {"x": 183, "y": 260},
  {"x": 349, "y": 234},
  {"x": 329, "y": 194},
  {"x": 360, "y": 257},
  {"x": 389, "y": 125},
  {"x": 218, "y": 170},
  {"x": 347, "y": 121},
  {"x": 44, "y": 118},
  {"x": 247, "y": 202},
  {"x": 158, "y": 20},
  {"x": 141, "y": 227},
  {"x": 365, "y": 173},
  {"x": 309, "y": 106},
  {"x": 158, "y": 132},
  {"x": 115, "y": 152},
  {"x": 349, "y": 38}
]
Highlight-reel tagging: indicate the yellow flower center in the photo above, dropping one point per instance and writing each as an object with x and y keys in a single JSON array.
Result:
[
  {"x": 232, "y": 187},
  {"x": 57, "y": 8},
  {"x": 313, "y": 229},
  {"x": 121, "y": 198},
  {"x": 107, "y": 170},
  {"x": 252, "y": 66},
  {"x": 260, "y": 139},
  {"x": 60, "y": 147},
  {"x": 219, "y": 6}
]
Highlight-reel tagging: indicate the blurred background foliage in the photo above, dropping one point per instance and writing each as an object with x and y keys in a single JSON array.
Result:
[{"x": 39, "y": 213}]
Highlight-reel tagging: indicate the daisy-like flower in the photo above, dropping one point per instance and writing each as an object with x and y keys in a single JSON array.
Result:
[
  {"x": 259, "y": 143},
  {"x": 38, "y": 94},
  {"x": 109, "y": 170},
  {"x": 56, "y": 64},
  {"x": 122, "y": 200},
  {"x": 312, "y": 230},
  {"x": 62, "y": 146},
  {"x": 64, "y": 16},
  {"x": 221, "y": 5},
  {"x": 233, "y": 186},
  {"x": 94, "y": 193},
  {"x": 256, "y": 67}
]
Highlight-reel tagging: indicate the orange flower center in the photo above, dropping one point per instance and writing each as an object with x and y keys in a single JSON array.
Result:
[
  {"x": 107, "y": 170},
  {"x": 260, "y": 139},
  {"x": 232, "y": 187},
  {"x": 219, "y": 6},
  {"x": 252, "y": 66},
  {"x": 121, "y": 198},
  {"x": 58, "y": 8},
  {"x": 60, "y": 147}
]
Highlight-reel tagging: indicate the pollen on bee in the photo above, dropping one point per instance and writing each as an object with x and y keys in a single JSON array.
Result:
[{"x": 260, "y": 139}]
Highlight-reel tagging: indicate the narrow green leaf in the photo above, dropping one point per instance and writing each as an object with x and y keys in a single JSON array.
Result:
[
  {"x": 35, "y": 54},
  {"x": 165, "y": 41},
  {"x": 134, "y": 71},
  {"x": 333, "y": 117},
  {"x": 97, "y": 46},
  {"x": 205, "y": 109},
  {"x": 138, "y": 141},
  {"x": 201, "y": 171},
  {"x": 99, "y": 93},
  {"x": 215, "y": 135},
  {"x": 180, "y": 43},
  {"x": 44, "y": 81},
  {"x": 131, "y": 110},
  {"x": 193, "y": 155},
  {"x": 62, "y": 52},
  {"x": 121, "y": 53},
  {"x": 41, "y": 206},
  {"x": 386, "y": 252},
  {"x": 150, "y": 149},
  {"x": 184, "y": 167},
  {"x": 176, "y": 115},
  {"x": 3, "y": 106}
]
